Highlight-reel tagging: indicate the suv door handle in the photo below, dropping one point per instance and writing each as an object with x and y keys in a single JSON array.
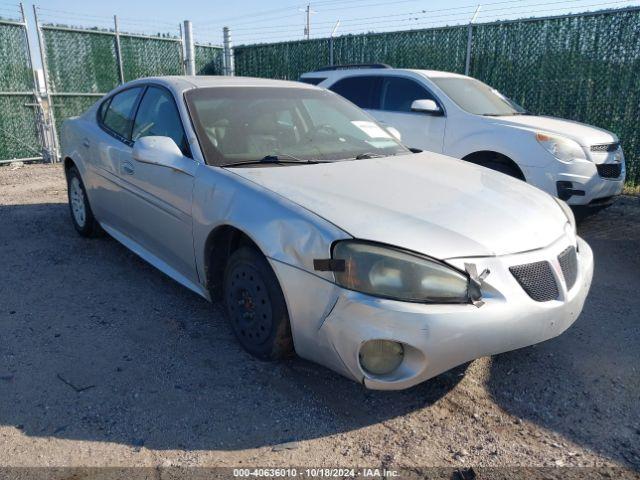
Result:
[
  {"x": 127, "y": 168},
  {"x": 86, "y": 143}
]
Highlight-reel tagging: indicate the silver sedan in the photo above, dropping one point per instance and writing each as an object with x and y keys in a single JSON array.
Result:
[{"x": 320, "y": 232}]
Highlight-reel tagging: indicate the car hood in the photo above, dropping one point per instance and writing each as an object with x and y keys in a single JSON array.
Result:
[
  {"x": 425, "y": 202},
  {"x": 584, "y": 134}
]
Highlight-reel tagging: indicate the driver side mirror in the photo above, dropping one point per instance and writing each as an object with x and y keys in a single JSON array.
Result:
[
  {"x": 430, "y": 107},
  {"x": 156, "y": 150}
]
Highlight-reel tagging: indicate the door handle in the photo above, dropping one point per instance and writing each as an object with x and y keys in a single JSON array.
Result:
[
  {"x": 86, "y": 143},
  {"x": 127, "y": 168}
]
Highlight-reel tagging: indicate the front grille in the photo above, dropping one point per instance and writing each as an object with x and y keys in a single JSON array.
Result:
[
  {"x": 569, "y": 264},
  {"x": 605, "y": 147},
  {"x": 609, "y": 170},
  {"x": 537, "y": 280}
]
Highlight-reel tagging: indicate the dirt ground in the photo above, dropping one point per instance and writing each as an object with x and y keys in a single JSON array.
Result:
[{"x": 106, "y": 361}]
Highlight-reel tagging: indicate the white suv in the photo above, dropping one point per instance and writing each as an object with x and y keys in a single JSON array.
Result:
[{"x": 464, "y": 118}]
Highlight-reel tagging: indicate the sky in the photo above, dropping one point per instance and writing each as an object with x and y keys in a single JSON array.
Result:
[{"x": 254, "y": 21}]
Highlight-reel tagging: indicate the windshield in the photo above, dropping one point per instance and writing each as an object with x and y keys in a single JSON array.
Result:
[
  {"x": 244, "y": 124},
  {"x": 476, "y": 97}
]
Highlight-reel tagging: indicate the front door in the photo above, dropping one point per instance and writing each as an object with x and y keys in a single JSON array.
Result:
[
  {"x": 418, "y": 130},
  {"x": 159, "y": 198}
]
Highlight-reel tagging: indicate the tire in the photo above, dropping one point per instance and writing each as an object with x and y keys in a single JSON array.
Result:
[
  {"x": 81, "y": 214},
  {"x": 255, "y": 305}
]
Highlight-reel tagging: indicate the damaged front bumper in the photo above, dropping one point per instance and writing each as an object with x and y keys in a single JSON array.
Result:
[{"x": 330, "y": 324}]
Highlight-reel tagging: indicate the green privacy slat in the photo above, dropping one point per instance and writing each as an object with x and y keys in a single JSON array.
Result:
[
  {"x": 80, "y": 61},
  {"x": 584, "y": 68},
  {"x": 436, "y": 49},
  {"x": 18, "y": 130},
  {"x": 14, "y": 67},
  {"x": 18, "y": 127},
  {"x": 581, "y": 67},
  {"x": 145, "y": 57},
  {"x": 66, "y": 107},
  {"x": 208, "y": 60}
]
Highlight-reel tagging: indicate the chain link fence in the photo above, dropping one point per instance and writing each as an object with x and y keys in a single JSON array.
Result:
[
  {"x": 582, "y": 67},
  {"x": 83, "y": 64},
  {"x": 19, "y": 135},
  {"x": 209, "y": 60}
]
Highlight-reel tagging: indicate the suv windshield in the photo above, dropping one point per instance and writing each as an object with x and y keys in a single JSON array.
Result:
[
  {"x": 476, "y": 97},
  {"x": 245, "y": 124}
]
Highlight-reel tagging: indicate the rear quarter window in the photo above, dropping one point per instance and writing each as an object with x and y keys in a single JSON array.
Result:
[
  {"x": 118, "y": 116},
  {"x": 361, "y": 90}
]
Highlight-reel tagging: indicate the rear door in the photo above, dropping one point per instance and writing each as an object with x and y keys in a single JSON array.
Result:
[
  {"x": 109, "y": 148},
  {"x": 418, "y": 129}
]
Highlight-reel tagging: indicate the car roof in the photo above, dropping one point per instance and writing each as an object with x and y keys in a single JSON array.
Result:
[
  {"x": 187, "y": 82},
  {"x": 343, "y": 72}
]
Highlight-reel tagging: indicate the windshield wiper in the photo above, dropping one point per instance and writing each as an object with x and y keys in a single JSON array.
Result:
[
  {"x": 366, "y": 155},
  {"x": 512, "y": 114},
  {"x": 283, "y": 158}
]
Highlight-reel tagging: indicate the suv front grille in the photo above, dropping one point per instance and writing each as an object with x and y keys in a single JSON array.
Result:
[
  {"x": 609, "y": 170},
  {"x": 569, "y": 266},
  {"x": 537, "y": 280},
  {"x": 605, "y": 147}
]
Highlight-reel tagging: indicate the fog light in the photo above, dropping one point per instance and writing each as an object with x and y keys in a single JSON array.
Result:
[{"x": 380, "y": 357}]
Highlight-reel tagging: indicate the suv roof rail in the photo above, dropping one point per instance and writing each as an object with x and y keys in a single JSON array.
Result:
[{"x": 353, "y": 65}]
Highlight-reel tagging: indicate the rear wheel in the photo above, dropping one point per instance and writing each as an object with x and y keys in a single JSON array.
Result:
[
  {"x": 81, "y": 215},
  {"x": 255, "y": 305}
]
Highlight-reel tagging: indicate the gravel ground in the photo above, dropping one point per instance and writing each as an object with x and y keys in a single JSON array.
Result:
[{"x": 106, "y": 361}]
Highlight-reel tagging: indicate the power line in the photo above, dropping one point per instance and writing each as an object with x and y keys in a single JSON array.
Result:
[
  {"x": 463, "y": 20},
  {"x": 459, "y": 17}
]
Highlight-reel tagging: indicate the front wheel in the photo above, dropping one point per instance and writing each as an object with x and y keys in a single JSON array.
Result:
[
  {"x": 81, "y": 215},
  {"x": 255, "y": 305}
]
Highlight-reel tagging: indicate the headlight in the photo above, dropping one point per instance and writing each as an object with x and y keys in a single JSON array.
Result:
[
  {"x": 562, "y": 148},
  {"x": 568, "y": 213},
  {"x": 388, "y": 272}
]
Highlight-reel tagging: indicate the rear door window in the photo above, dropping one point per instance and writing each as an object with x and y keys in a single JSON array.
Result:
[
  {"x": 399, "y": 93},
  {"x": 361, "y": 90},
  {"x": 118, "y": 117}
]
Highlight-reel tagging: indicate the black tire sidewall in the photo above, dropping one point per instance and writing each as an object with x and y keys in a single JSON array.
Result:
[
  {"x": 88, "y": 229},
  {"x": 279, "y": 343}
]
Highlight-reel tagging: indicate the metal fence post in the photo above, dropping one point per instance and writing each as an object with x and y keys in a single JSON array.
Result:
[
  {"x": 116, "y": 29},
  {"x": 467, "y": 64},
  {"x": 40, "y": 121},
  {"x": 182, "y": 55},
  {"x": 190, "y": 61},
  {"x": 333, "y": 33},
  {"x": 50, "y": 127},
  {"x": 229, "y": 67}
]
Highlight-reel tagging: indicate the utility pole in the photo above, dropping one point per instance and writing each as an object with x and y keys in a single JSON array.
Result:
[{"x": 307, "y": 28}]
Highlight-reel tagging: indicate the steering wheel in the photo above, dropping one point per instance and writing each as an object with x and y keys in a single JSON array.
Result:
[{"x": 326, "y": 129}]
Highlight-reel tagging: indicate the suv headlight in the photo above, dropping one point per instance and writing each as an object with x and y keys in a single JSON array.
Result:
[
  {"x": 392, "y": 273},
  {"x": 562, "y": 148},
  {"x": 568, "y": 213}
]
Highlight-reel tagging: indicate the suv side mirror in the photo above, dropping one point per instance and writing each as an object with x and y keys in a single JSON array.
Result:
[{"x": 430, "y": 107}]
